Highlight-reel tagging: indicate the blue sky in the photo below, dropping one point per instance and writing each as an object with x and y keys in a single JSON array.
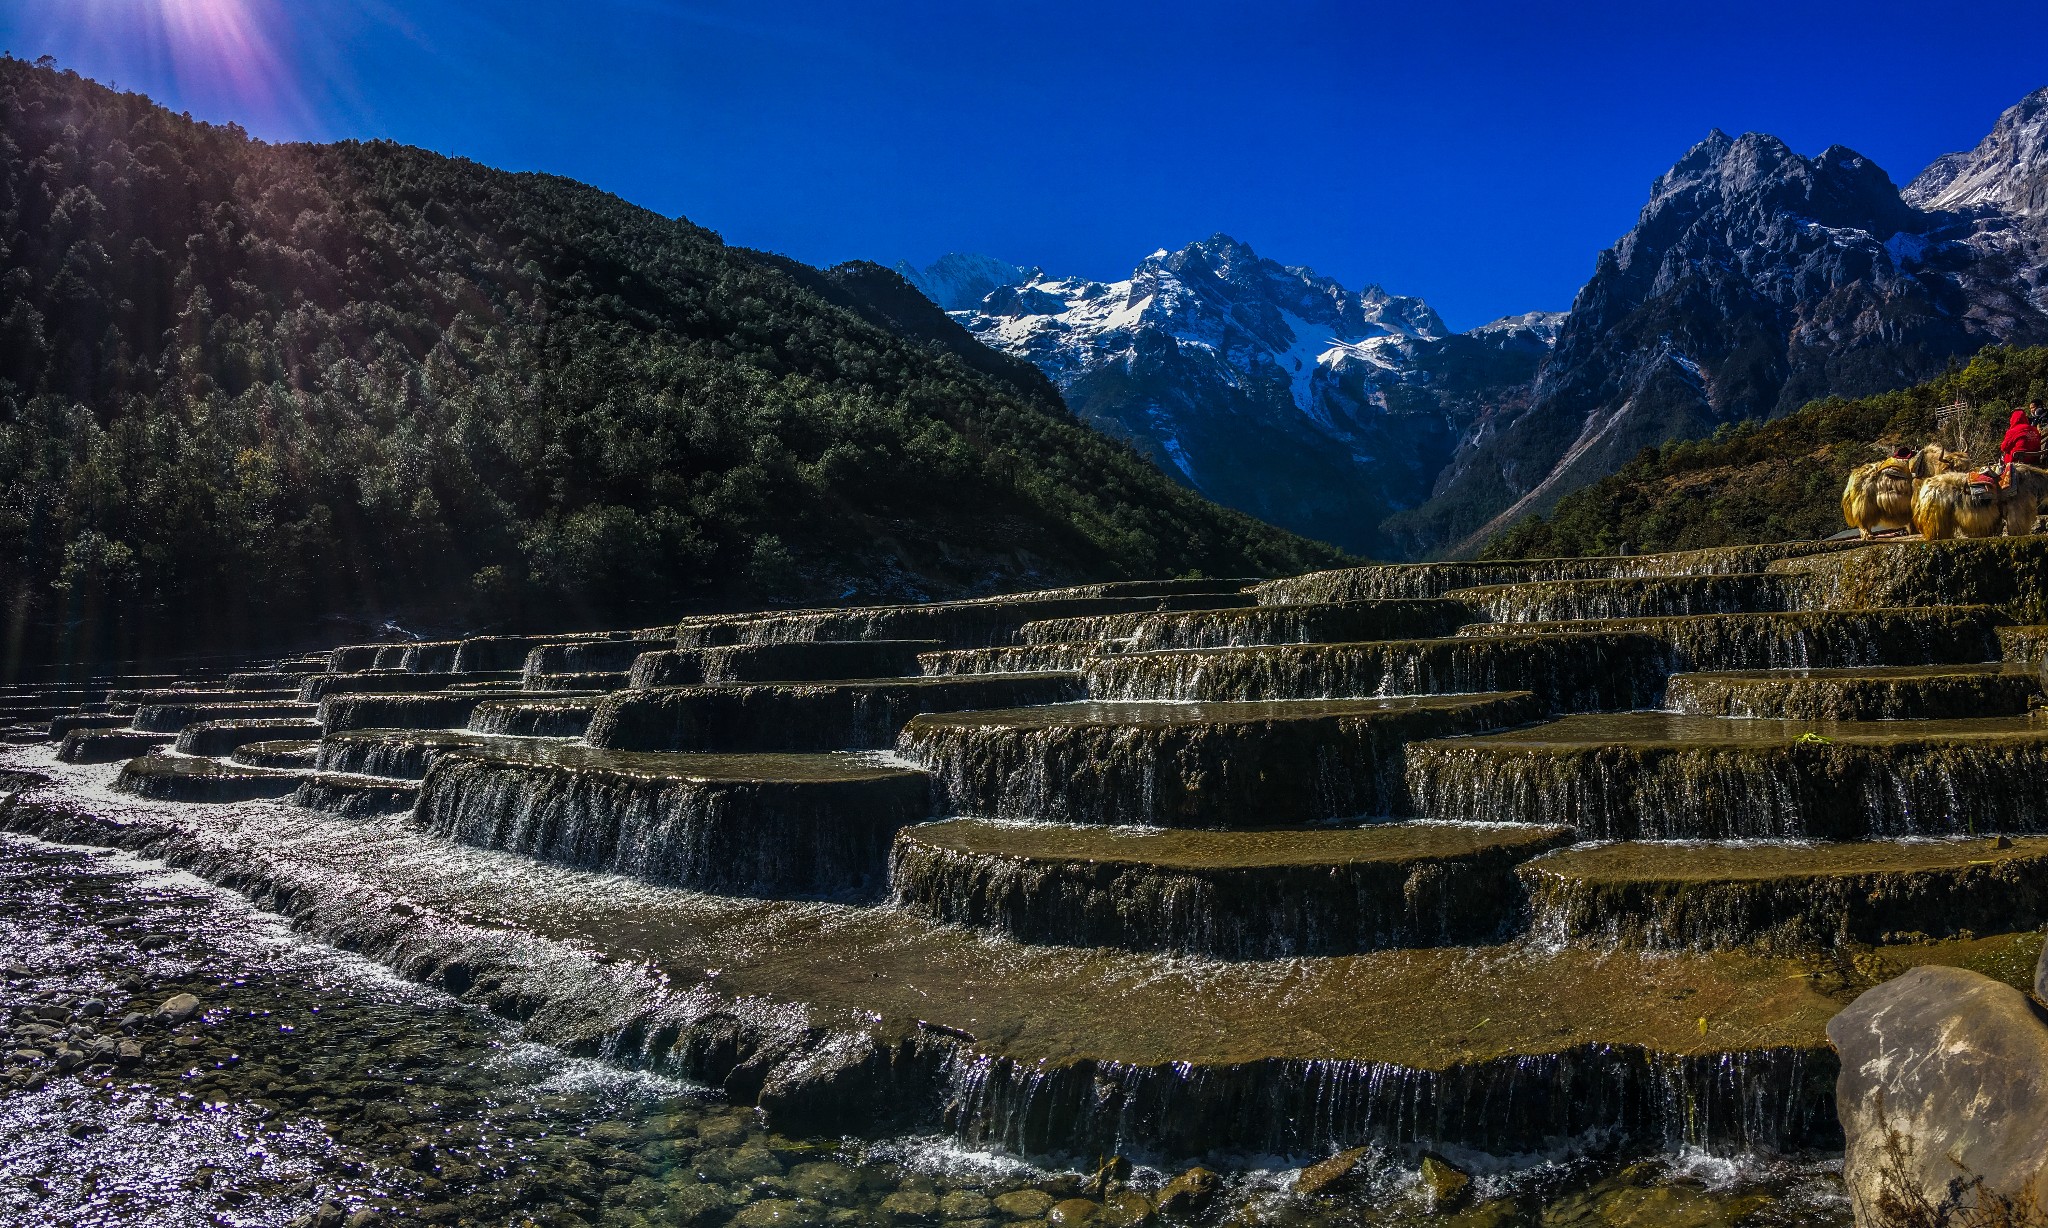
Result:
[{"x": 1477, "y": 154}]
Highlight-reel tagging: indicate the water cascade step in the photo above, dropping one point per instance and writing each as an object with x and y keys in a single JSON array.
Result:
[
  {"x": 354, "y": 796},
  {"x": 1572, "y": 671},
  {"x": 814, "y": 660},
  {"x": 1868, "y": 693},
  {"x": 1383, "y": 581},
  {"x": 861, "y": 714},
  {"x": 535, "y": 716},
  {"x": 1270, "y": 763},
  {"x": 598, "y": 681},
  {"x": 170, "y": 718},
  {"x": 216, "y": 738},
  {"x": 1787, "y": 898},
  {"x": 404, "y": 754},
  {"x": 434, "y": 710},
  {"x": 1651, "y": 775},
  {"x": 391, "y": 681},
  {"x": 1951, "y": 635},
  {"x": 815, "y": 825},
  {"x": 1334, "y": 623},
  {"x": 109, "y": 745},
  {"x": 1233, "y": 895},
  {"x": 961, "y": 624},
  {"x": 61, "y": 725},
  {"x": 289, "y": 753},
  {"x": 183, "y": 778},
  {"x": 1010, "y": 659},
  {"x": 1631, "y": 597},
  {"x": 581, "y": 657}
]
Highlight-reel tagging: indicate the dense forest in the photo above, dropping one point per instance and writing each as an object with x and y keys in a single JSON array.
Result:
[
  {"x": 245, "y": 388},
  {"x": 1782, "y": 480}
]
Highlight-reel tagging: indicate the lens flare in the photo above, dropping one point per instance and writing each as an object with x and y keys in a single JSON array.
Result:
[{"x": 232, "y": 55}]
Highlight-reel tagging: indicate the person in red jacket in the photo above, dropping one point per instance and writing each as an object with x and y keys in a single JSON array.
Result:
[{"x": 2022, "y": 443}]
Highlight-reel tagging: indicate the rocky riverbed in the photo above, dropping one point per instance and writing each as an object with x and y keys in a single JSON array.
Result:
[{"x": 176, "y": 1057}]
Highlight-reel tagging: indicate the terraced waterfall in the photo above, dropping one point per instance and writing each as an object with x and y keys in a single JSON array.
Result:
[{"x": 1450, "y": 884}]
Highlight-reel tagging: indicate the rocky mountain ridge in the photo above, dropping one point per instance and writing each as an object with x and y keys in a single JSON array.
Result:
[{"x": 1754, "y": 281}]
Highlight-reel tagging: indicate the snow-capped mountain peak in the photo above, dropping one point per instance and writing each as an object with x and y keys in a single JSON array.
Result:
[{"x": 2008, "y": 170}]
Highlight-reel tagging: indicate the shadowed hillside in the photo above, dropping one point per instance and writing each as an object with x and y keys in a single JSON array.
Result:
[
  {"x": 1778, "y": 481},
  {"x": 244, "y": 387}
]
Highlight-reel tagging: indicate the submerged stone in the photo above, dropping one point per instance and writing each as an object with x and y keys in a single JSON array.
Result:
[
  {"x": 178, "y": 778},
  {"x": 1789, "y": 898},
  {"x": 1650, "y": 775},
  {"x": 748, "y": 824},
  {"x": 1190, "y": 765},
  {"x": 815, "y": 716},
  {"x": 1865, "y": 693},
  {"x": 1944, "y": 1100},
  {"x": 1236, "y": 895}
]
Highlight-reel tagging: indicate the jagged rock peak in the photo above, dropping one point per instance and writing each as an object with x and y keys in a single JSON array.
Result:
[
  {"x": 2008, "y": 170},
  {"x": 1759, "y": 172}
]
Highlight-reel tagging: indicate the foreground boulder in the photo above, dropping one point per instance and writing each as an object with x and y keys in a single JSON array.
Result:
[{"x": 1943, "y": 1099}]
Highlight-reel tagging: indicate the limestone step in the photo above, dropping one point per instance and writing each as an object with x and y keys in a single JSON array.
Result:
[
  {"x": 183, "y": 778},
  {"x": 1788, "y": 898},
  {"x": 1397, "y": 580},
  {"x": 960, "y": 624},
  {"x": 509, "y": 652},
  {"x": 1948, "y": 635},
  {"x": 390, "y": 682},
  {"x": 1630, "y": 597},
  {"x": 1653, "y": 775},
  {"x": 2025, "y": 646},
  {"x": 1228, "y": 894},
  {"x": 812, "y": 825},
  {"x": 215, "y": 738},
  {"x": 433, "y": 710},
  {"x": 535, "y": 716},
  {"x": 1272, "y": 763},
  {"x": 1569, "y": 671},
  {"x": 288, "y": 753},
  {"x": 170, "y": 718},
  {"x": 1861, "y": 693},
  {"x": 1333, "y": 623},
  {"x": 108, "y": 745},
  {"x": 857, "y": 714}
]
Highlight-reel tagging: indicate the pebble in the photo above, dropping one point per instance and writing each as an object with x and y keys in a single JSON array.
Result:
[
  {"x": 1024, "y": 1204},
  {"x": 178, "y": 1008}
]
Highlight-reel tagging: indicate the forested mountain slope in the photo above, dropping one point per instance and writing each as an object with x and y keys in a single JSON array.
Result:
[
  {"x": 1777, "y": 481},
  {"x": 246, "y": 386}
]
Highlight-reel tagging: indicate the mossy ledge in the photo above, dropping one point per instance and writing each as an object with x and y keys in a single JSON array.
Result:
[{"x": 1875, "y": 693}]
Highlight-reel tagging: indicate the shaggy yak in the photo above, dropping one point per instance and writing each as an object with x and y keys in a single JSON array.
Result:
[
  {"x": 2020, "y": 503},
  {"x": 1879, "y": 495},
  {"x": 1958, "y": 505}
]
